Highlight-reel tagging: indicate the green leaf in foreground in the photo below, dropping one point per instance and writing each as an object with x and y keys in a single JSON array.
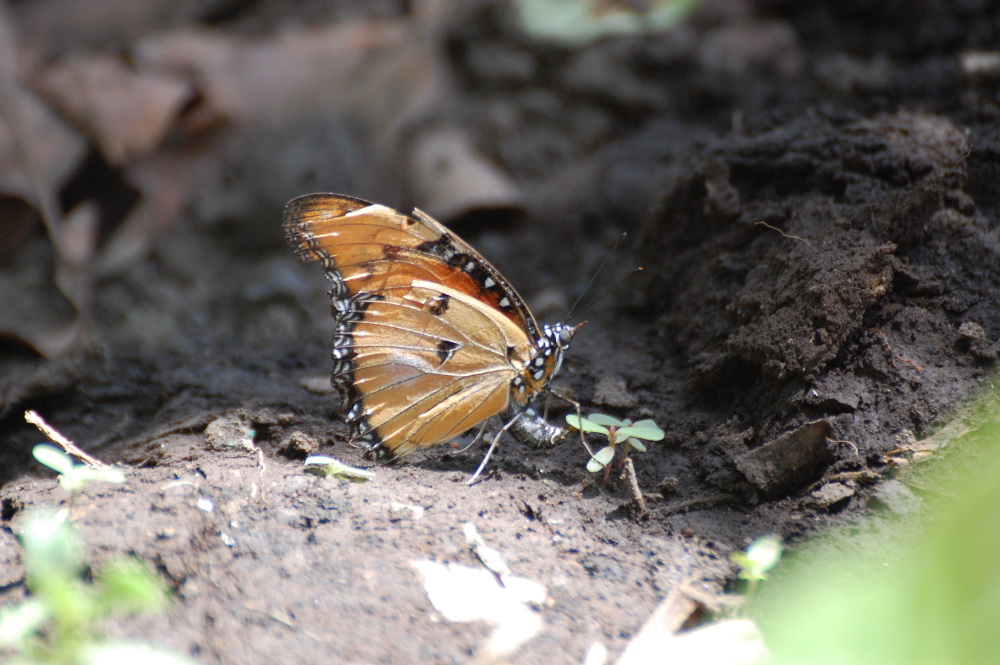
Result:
[
  {"x": 920, "y": 589},
  {"x": 762, "y": 555},
  {"x": 74, "y": 477},
  {"x": 61, "y": 621},
  {"x": 53, "y": 457},
  {"x": 575, "y": 23},
  {"x": 328, "y": 466},
  {"x": 128, "y": 586}
]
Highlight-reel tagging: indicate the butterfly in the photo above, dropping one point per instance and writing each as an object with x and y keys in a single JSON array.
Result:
[{"x": 430, "y": 340}]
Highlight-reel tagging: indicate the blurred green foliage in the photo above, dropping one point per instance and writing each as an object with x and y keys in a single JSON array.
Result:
[
  {"x": 576, "y": 23},
  {"x": 59, "y": 622},
  {"x": 924, "y": 591}
]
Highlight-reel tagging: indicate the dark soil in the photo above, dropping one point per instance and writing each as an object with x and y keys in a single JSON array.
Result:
[{"x": 810, "y": 189}]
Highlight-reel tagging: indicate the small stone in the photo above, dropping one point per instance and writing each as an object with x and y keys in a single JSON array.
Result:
[
  {"x": 668, "y": 485},
  {"x": 287, "y": 517},
  {"x": 972, "y": 331},
  {"x": 299, "y": 445},
  {"x": 228, "y": 431},
  {"x": 319, "y": 385},
  {"x": 895, "y": 497},
  {"x": 974, "y": 340},
  {"x": 613, "y": 391},
  {"x": 905, "y": 440},
  {"x": 828, "y": 496},
  {"x": 787, "y": 461}
]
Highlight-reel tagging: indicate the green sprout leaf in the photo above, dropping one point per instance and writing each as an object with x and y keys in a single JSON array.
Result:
[
  {"x": 762, "y": 555},
  {"x": 636, "y": 444},
  {"x": 53, "y": 457},
  {"x": 74, "y": 477},
  {"x": 328, "y": 466},
  {"x": 606, "y": 421},
  {"x": 587, "y": 425},
  {"x": 80, "y": 476},
  {"x": 601, "y": 459},
  {"x": 575, "y": 23},
  {"x": 128, "y": 586},
  {"x": 18, "y": 624},
  {"x": 617, "y": 431},
  {"x": 644, "y": 429}
]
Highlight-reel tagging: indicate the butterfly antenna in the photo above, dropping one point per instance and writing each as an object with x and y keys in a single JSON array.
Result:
[
  {"x": 618, "y": 243},
  {"x": 603, "y": 294}
]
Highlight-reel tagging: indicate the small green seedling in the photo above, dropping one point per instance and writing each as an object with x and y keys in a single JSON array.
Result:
[
  {"x": 59, "y": 623},
  {"x": 761, "y": 556},
  {"x": 617, "y": 431},
  {"x": 576, "y": 23},
  {"x": 328, "y": 466},
  {"x": 74, "y": 477}
]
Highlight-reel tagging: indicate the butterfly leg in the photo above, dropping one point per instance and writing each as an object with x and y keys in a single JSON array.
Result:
[
  {"x": 579, "y": 413},
  {"x": 479, "y": 435},
  {"x": 489, "y": 453}
]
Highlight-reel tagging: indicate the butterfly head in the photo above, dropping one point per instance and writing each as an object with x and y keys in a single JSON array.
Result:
[
  {"x": 545, "y": 362},
  {"x": 558, "y": 338}
]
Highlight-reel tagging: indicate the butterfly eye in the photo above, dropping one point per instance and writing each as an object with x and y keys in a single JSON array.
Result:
[{"x": 564, "y": 335}]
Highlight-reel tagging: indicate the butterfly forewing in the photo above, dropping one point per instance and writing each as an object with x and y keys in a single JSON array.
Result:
[
  {"x": 375, "y": 247},
  {"x": 429, "y": 336}
]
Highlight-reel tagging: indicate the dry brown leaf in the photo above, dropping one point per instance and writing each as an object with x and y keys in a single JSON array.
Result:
[
  {"x": 77, "y": 241},
  {"x": 46, "y": 26},
  {"x": 165, "y": 180},
  {"x": 382, "y": 75},
  {"x": 34, "y": 312},
  {"x": 125, "y": 111},
  {"x": 37, "y": 150},
  {"x": 450, "y": 178},
  {"x": 270, "y": 79}
]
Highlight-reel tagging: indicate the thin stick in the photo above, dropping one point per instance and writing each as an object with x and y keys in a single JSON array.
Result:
[
  {"x": 639, "y": 508},
  {"x": 787, "y": 235},
  {"x": 67, "y": 445}
]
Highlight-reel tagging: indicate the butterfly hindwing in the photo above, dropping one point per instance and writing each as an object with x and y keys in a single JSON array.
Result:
[{"x": 426, "y": 375}]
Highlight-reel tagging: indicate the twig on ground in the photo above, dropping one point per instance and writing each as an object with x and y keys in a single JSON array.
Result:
[
  {"x": 787, "y": 235},
  {"x": 639, "y": 508},
  {"x": 67, "y": 445},
  {"x": 695, "y": 504}
]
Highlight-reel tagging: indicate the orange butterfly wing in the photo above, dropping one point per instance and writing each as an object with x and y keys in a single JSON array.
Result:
[{"x": 429, "y": 336}]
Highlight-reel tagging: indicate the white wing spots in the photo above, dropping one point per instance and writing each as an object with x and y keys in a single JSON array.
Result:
[{"x": 372, "y": 209}]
